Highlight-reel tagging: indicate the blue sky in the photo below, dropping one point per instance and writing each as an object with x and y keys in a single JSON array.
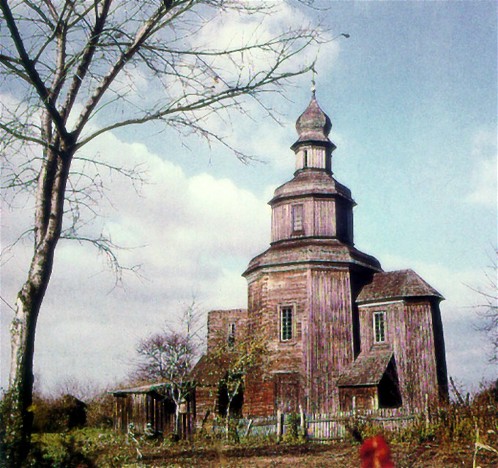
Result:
[{"x": 412, "y": 95}]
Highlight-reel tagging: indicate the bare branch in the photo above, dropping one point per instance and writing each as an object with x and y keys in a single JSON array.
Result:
[
  {"x": 86, "y": 58},
  {"x": 141, "y": 36},
  {"x": 31, "y": 71}
]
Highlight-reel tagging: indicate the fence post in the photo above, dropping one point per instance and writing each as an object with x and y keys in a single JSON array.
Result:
[
  {"x": 279, "y": 425},
  {"x": 426, "y": 410},
  {"x": 303, "y": 421},
  {"x": 249, "y": 425}
]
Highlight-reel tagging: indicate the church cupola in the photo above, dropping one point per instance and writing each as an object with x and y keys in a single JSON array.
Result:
[
  {"x": 313, "y": 148},
  {"x": 313, "y": 205}
]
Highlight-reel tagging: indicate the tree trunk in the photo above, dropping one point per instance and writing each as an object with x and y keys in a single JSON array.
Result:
[
  {"x": 17, "y": 412},
  {"x": 178, "y": 431},
  {"x": 227, "y": 421},
  {"x": 19, "y": 415}
]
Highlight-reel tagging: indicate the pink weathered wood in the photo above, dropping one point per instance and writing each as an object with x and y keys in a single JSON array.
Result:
[{"x": 409, "y": 331}]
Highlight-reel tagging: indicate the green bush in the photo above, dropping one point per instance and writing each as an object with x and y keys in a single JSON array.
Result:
[
  {"x": 100, "y": 412},
  {"x": 84, "y": 448},
  {"x": 293, "y": 432},
  {"x": 59, "y": 414}
]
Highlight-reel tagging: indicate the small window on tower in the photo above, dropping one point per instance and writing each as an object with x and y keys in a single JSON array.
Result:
[
  {"x": 379, "y": 327},
  {"x": 286, "y": 323},
  {"x": 231, "y": 334},
  {"x": 297, "y": 219},
  {"x": 305, "y": 158}
]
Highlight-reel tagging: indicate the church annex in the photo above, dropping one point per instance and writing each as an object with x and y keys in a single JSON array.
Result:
[{"x": 341, "y": 332}]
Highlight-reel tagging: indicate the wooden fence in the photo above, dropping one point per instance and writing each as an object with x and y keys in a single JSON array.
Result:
[{"x": 323, "y": 427}]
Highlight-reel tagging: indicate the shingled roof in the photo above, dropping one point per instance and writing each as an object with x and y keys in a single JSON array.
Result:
[
  {"x": 209, "y": 372},
  {"x": 368, "y": 368},
  {"x": 396, "y": 285},
  {"x": 313, "y": 125}
]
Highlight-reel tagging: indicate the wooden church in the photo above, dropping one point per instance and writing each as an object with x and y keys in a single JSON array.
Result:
[{"x": 340, "y": 331}]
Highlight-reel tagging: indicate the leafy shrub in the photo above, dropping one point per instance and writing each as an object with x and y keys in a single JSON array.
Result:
[
  {"x": 61, "y": 453},
  {"x": 293, "y": 432},
  {"x": 100, "y": 411},
  {"x": 83, "y": 448},
  {"x": 56, "y": 415}
]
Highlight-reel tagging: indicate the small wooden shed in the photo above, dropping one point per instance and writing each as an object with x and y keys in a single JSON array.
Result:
[{"x": 149, "y": 408}]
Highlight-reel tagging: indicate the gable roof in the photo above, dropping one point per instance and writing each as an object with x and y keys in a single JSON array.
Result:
[
  {"x": 208, "y": 372},
  {"x": 395, "y": 285},
  {"x": 368, "y": 368}
]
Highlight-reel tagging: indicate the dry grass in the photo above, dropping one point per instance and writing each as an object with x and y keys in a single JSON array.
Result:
[{"x": 316, "y": 455}]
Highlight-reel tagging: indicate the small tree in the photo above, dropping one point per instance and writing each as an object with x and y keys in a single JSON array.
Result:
[
  {"x": 170, "y": 355},
  {"x": 237, "y": 358},
  {"x": 487, "y": 312}
]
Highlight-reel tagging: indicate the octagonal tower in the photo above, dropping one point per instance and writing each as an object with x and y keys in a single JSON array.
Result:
[{"x": 302, "y": 290}]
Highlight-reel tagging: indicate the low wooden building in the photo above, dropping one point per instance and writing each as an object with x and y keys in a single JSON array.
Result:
[
  {"x": 340, "y": 331},
  {"x": 149, "y": 410}
]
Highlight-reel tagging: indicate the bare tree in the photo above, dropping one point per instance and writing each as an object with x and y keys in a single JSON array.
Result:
[
  {"x": 71, "y": 69},
  {"x": 487, "y": 312},
  {"x": 169, "y": 357}
]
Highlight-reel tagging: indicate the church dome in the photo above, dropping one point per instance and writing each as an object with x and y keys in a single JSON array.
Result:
[{"x": 313, "y": 124}]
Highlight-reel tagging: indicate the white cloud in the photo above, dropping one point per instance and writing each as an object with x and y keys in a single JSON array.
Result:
[
  {"x": 194, "y": 236},
  {"x": 483, "y": 178}
]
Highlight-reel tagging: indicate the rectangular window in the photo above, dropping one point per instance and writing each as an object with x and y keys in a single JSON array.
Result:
[
  {"x": 286, "y": 323},
  {"x": 231, "y": 334},
  {"x": 297, "y": 218},
  {"x": 379, "y": 327}
]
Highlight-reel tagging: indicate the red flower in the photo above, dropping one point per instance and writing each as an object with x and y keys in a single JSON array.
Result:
[{"x": 375, "y": 453}]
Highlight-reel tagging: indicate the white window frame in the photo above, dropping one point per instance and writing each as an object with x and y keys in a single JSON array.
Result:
[
  {"x": 289, "y": 328},
  {"x": 379, "y": 327}
]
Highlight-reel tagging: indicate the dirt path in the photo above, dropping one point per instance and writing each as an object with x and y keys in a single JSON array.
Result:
[{"x": 327, "y": 455}]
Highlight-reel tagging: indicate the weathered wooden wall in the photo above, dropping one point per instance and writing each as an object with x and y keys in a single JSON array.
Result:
[
  {"x": 143, "y": 409},
  {"x": 329, "y": 346},
  {"x": 259, "y": 396},
  {"x": 322, "y": 217},
  {"x": 140, "y": 409},
  {"x": 322, "y": 345},
  {"x": 267, "y": 293},
  {"x": 206, "y": 400},
  {"x": 218, "y": 322},
  {"x": 315, "y": 157},
  {"x": 409, "y": 332},
  {"x": 359, "y": 398}
]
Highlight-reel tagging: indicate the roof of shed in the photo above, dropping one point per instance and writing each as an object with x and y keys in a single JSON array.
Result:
[
  {"x": 156, "y": 387},
  {"x": 368, "y": 368},
  {"x": 396, "y": 284}
]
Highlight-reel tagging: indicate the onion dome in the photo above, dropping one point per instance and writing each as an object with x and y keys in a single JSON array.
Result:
[{"x": 313, "y": 125}]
